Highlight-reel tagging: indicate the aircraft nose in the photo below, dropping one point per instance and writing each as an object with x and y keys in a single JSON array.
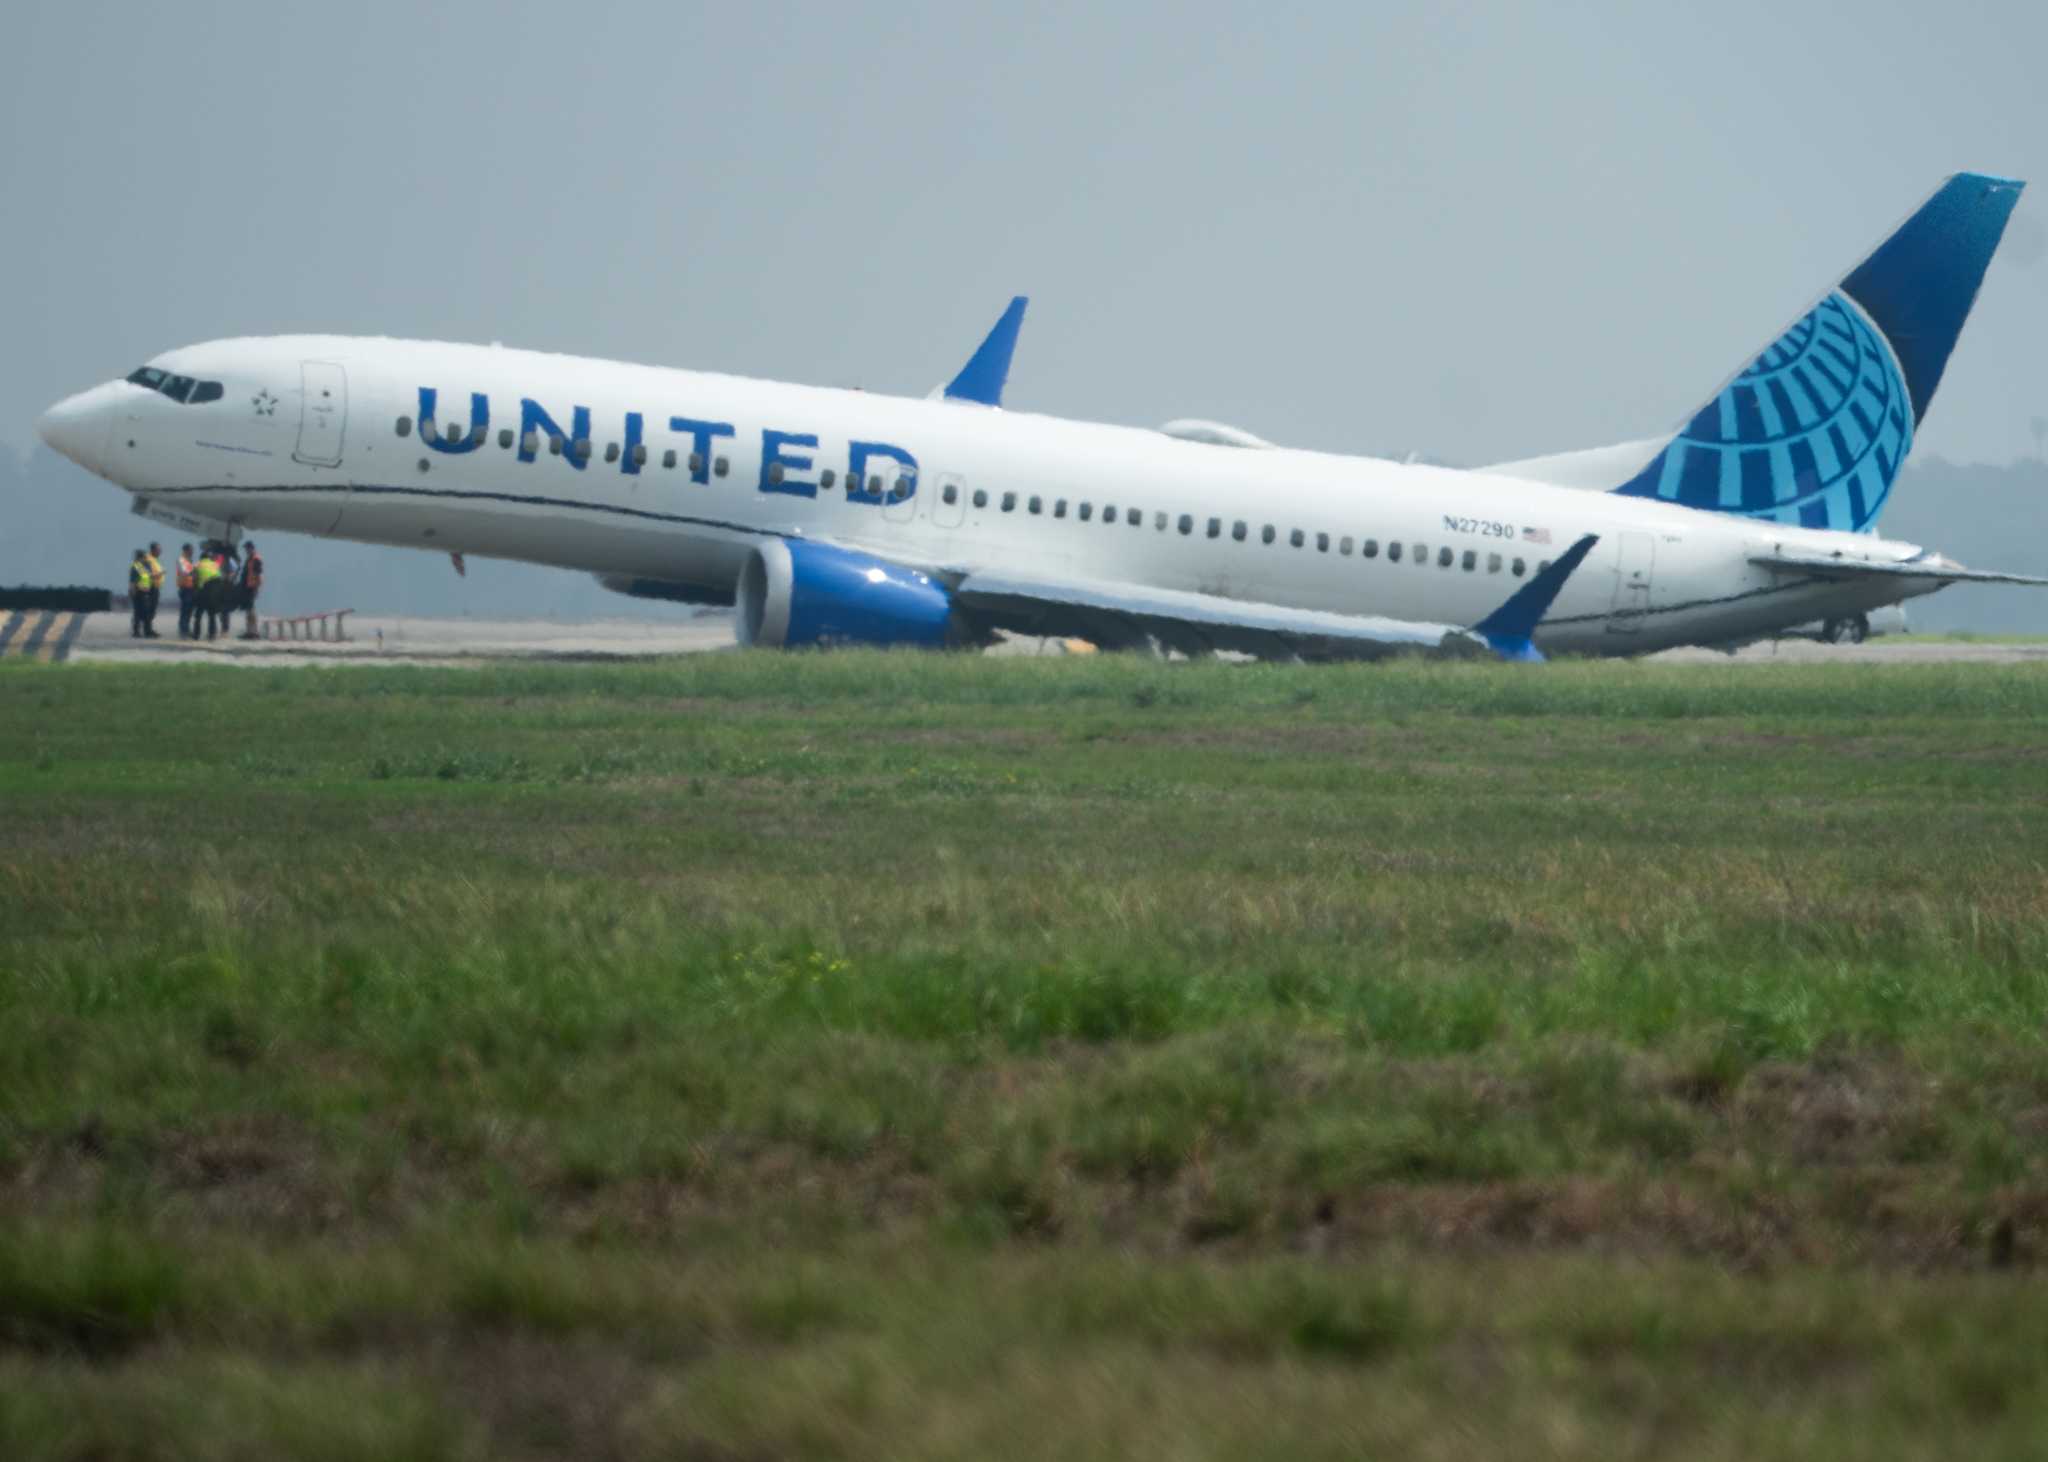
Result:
[{"x": 78, "y": 426}]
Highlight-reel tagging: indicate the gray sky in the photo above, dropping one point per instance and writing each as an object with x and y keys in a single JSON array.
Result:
[{"x": 1479, "y": 230}]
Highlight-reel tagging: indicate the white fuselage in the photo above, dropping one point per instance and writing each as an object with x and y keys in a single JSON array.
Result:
[{"x": 322, "y": 434}]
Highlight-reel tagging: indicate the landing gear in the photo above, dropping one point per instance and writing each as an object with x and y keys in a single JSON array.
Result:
[{"x": 1853, "y": 630}]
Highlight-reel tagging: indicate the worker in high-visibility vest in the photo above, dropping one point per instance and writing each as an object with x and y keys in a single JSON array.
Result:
[
  {"x": 188, "y": 594},
  {"x": 206, "y": 575},
  {"x": 138, "y": 595},
  {"x": 246, "y": 585},
  {"x": 156, "y": 588}
]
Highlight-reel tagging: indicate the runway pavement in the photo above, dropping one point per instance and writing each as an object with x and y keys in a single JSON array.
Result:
[{"x": 392, "y": 640}]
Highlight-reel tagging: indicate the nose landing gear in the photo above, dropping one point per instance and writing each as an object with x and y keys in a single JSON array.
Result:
[{"x": 1853, "y": 630}]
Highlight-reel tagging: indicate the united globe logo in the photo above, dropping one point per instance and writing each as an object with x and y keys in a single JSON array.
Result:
[{"x": 1813, "y": 433}]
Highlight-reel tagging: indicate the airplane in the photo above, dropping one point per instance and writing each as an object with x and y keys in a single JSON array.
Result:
[{"x": 832, "y": 516}]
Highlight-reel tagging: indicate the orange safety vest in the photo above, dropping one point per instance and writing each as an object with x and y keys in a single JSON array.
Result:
[
  {"x": 184, "y": 572},
  {"x": 252, "y": 571}
]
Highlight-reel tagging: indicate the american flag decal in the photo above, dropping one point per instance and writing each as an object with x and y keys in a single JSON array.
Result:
[{"x": 1535, "y": 535}]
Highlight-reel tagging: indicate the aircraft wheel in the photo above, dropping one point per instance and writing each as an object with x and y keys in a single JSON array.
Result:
[
  {"x": 1858, "y": 630},
  {"x": 1833, "y": 630}
]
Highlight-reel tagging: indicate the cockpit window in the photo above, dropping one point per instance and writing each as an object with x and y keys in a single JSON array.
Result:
[{"x": 179, "y": 388}]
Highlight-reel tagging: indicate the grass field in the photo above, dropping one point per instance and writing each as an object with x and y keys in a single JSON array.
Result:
[{"x": 909, "y": 1057}]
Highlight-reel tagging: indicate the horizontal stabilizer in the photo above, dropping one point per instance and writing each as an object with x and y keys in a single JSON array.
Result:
[
  {"x": 982, "y": 379},
  {"x": 1923, "y": 568}
]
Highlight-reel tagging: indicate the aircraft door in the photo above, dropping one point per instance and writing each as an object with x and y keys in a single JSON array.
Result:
[
  {"x": 1633, "y": 569},
  {"x": 949, "y": 504},
  {"x": 323, "y": 413}
]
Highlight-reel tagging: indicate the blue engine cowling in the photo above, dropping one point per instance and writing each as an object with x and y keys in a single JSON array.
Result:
[{"x": 793, "y": 593}]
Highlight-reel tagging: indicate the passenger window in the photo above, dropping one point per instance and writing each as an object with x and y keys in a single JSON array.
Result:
[
  {"x": 696, "y": 463},
  {"x": 1009, "y": 501},
  {"x": 949, "y": 494},
  {"x": 980, "y": 498},
  {"x": 901, "y": 491},
  {"x": 719, "y": 467},
  {"x": 775, "y": 472},
  {"x": 1493, "y": 563},
  {"x": 611, "y": 453},
  {"x": 1059, "y": 508},
  {"x": 1297, "y": 538},
  {"x": 554, "y": 443},
  {"x": 1087, "y": 511},
  {"x": 530, "y": 443},
  {"x": 1215, "y": 527},
  {"x": 1238, "y": 530},
  {"x": 476, "y": 434},
  {"x": 1135, "y": 517},
  {"x": 206, "y": 391},
  {"x": 405, "y": 426},
  {"x": 825, "y": 478},
  {"x": 1159, "y": 521},
  {"x": 1037, "y": 505},
  {"x": 874, "y": 484},
  {"x": 1322, "y": 543},
  {"x": 1266, "y": 534},
  {"x": 1470, "y": 561},
  {"x": 1108, "y": 513},
  {"x": 1421, "y": 553},
  {"x": 639, "y": 454},
  {"x": 668, "y": 458},
  {"x": 583, "y": 449},
  {"x": 1370, "y": 548},
  {"x": 1543, "y": 567},
  {"x": 504, "y": 438},
  {"x": 1187, "y": 524},
  {"x": 1519, "y": 568},
  {"x": 1344, "y": 545},
  {"x": 1444, "y": 557},
  {"x": 1393, "y": 553}
]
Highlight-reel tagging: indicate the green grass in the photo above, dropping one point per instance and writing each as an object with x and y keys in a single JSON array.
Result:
[{"x": 884, "y": 1055}]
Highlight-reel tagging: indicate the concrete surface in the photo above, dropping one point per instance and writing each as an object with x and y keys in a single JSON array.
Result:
[{"x": 387, "y": 640}]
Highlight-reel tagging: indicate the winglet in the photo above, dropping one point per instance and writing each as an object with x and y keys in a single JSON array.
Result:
[
  {"x": 1510, "y": 628},
  {"x": 982, "y": 378}
]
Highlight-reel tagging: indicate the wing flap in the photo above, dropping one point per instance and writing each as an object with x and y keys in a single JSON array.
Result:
[
  {"x": 1125, "y": 615},
  {"x": 1925, "y": 567}
]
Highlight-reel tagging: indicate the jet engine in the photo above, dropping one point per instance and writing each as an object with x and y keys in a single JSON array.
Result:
[{"x": 793, "y": 593}]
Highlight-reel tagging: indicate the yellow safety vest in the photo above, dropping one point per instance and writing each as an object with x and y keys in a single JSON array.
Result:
[
  {"x": 206, "y": 572},
  {"x": 140, "y": 571},
  {"x": 156, "y": 572}
]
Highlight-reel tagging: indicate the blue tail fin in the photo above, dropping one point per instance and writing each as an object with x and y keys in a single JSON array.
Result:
[{"x": 1815, "y": 431}]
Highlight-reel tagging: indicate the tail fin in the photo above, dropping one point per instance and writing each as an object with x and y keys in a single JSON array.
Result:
[{"x": 1815, "y": 430}]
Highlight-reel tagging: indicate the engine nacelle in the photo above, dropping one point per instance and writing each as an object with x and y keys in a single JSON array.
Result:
[{"x": 793, "y": 593}]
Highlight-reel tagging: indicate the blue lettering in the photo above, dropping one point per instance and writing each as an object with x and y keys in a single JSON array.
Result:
[
  {"x": 859, "y": 487},
  {"x": 628, "y": 464},
  {"x": 776, "y": 465},
  {"x": 451, "y": 441},
  {"x": 701, "y": 433},
  {"x": 535, "y": 423}
]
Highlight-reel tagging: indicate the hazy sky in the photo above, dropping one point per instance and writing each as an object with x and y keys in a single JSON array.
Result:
[{"x": 1482, "y": 231}]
